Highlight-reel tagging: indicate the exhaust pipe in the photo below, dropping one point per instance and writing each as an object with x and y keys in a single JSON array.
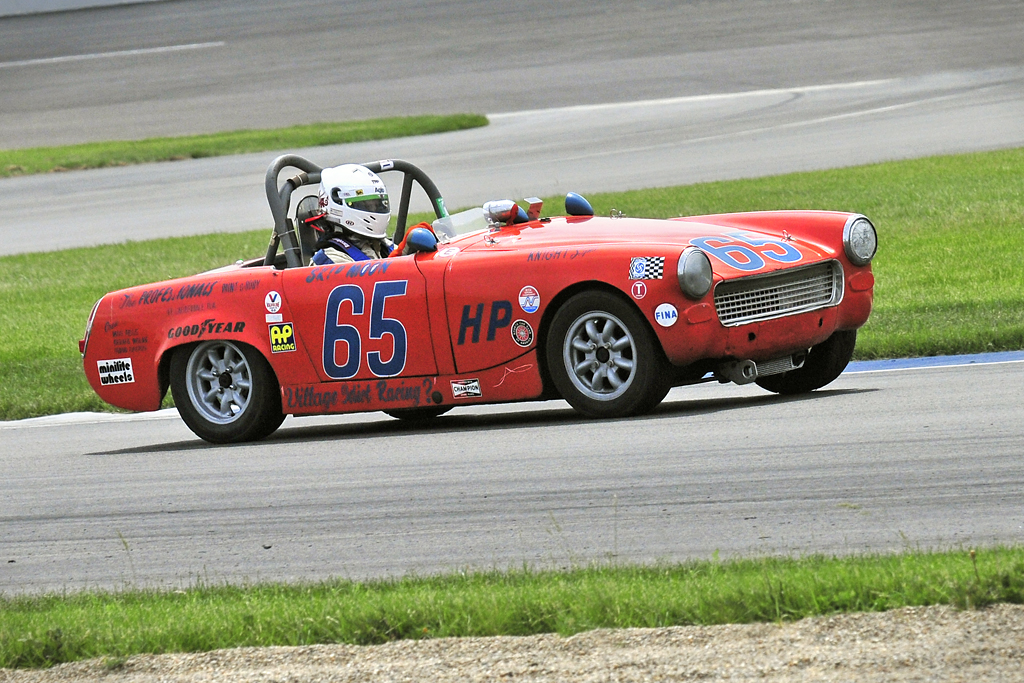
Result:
[
  {"x": 747, "y": 371},
  {"x": 737, "y": 371}
]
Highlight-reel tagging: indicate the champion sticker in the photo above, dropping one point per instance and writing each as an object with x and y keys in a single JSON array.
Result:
[
  {"x": 272, "y": 301},
  {"x": 522, "y": 333},
  {"x": 638, "y": 290},
  {"x": 646, "y": 267},
  {"x": 448, "y": 251},
  {"x": 529, "y": 299},
  {"x": 282, "y": 338},
  {"x": 116, "y": 371},
  {"x": 466, "y": 388},
  {"x": 666, "y": 315}
]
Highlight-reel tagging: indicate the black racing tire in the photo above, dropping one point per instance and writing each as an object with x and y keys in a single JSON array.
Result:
[
  {"x": 225, "y": 391},
  {"x": 824, "y": 363},
  {"x": 418, "y": 414},
  {"x": 604, "y": 358}
]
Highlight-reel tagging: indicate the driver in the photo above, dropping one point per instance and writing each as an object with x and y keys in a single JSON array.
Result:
[{"x": 351, "y": 217}]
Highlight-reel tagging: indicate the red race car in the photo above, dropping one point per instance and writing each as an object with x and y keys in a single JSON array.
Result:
[{"x": 490, "y": 305}]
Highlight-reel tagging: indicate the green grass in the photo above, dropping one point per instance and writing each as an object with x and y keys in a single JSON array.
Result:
[
  {"x": 948, "y": 272},
  {"x": 122, "y": 153},
  {"x": 46, "y": 630}
]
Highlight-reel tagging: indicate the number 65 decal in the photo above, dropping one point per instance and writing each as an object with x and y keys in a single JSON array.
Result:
[
  {"x": 747, "y": 252},
  {"x": 334, "y": 332}
]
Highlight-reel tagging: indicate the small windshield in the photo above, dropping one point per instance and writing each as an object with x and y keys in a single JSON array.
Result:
[{"x": 461, "y": 223}]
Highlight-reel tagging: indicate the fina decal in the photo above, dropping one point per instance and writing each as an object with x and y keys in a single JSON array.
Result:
[
  {"x": 282, "y": 338},
  {"x": 448, "y": 251},
  {"x": 272, "y": 301},
  {"x": 638, "y": 290},
  {"x": 466, "y": 388},
  {"x": 529, "y": 299},
  {"x": 274, "y": 317},
  {"x": 116, "y": 371},
  {"x": 646, "y": 267},
  {"x": 522, "y": 333},
  {"x": 666, "y": 315}
]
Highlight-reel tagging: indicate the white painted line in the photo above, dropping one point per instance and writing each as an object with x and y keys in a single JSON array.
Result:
[
  {"x": 105, "y": 55},
  {"x": 690, "y": 99},
  {"x": 88, "y": 418},
  {"x": 932, "y": 367}
]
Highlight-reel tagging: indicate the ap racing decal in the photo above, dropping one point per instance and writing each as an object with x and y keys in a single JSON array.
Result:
[
  {"x": 338, "y": 366},
  {"x": 116, "y": 371},
  {"x": 282, "y": 337},
  {"x": 745, "y": 251}
]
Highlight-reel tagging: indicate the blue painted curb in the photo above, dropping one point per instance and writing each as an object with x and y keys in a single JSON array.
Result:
[{"x": 934, "y": 361}]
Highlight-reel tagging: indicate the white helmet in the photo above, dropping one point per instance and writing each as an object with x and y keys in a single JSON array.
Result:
[{"x": 355, "y": 198}]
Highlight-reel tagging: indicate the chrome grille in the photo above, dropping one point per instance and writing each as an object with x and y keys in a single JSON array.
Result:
[{"x": 763, "y": 297}]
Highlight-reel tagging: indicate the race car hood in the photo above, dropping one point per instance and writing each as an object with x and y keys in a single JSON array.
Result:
[{"x": 738, "y": 244}]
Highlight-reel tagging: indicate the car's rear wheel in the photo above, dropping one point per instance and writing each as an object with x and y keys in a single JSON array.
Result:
[
  {"x": 824, "y": 363},
  {"x": 225, "y": 391},
  {"x": 603, "y": 357},
  {"x": 417, "y": 414}
]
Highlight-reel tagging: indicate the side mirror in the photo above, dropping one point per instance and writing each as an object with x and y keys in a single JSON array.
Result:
[{"x": 420, "y": 240}]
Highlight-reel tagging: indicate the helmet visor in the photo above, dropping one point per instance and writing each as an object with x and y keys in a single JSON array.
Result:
[{"x": 371, "y": 203}]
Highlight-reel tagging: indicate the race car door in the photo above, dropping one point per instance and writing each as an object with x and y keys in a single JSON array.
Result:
[{"x": 363, "y": 320}]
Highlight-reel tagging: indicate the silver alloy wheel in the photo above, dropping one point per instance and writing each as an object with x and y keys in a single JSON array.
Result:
[
  {"x": 219, "y": 381},
  {"x": 599, "y": 355}
]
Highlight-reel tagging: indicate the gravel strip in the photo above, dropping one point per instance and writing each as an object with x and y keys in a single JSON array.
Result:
[{"x": 912, "y": 644}]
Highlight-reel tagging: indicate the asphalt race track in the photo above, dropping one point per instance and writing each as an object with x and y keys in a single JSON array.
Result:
[
  {"x": 583, "y": 97},
  {"x": 138, "y": 500},
  {"x": 590, "y": 98}
]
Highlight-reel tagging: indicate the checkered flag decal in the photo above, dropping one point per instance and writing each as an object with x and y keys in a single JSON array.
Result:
[{"x": 646, "y": 268}]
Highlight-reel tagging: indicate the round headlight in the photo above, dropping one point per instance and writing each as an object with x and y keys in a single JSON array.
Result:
[
  {"x": 694, "y": 273},
  {"x": 860, "y": 240}
]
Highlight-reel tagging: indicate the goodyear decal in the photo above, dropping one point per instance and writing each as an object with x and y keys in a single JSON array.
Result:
[{"x": 208, "y": 326}]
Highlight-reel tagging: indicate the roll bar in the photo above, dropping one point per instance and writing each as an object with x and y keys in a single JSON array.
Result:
[{"x": 279, "y": 197}]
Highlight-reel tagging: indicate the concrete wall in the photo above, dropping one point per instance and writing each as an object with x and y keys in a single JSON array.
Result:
[{"x": 11, "y": 7}]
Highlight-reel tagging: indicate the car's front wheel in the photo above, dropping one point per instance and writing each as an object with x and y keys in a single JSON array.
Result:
[
  {"x": 604, "y": 358},
  {"x": 225, "y": 391},
  {"x": 824, "y": 363}
]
